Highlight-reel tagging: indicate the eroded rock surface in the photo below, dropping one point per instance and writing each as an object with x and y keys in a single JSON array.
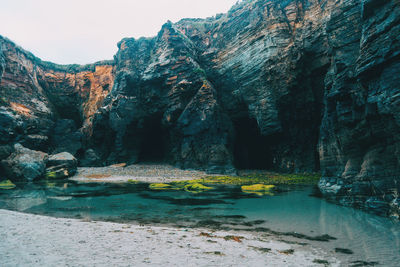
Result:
[
  {"x": 35, "y": 95},
  {"x": 25, "y": 164},
  {"x": 61, "y": 165},
  {"x": 359, "y": 143},
  {"x": 298, "y": 85}
]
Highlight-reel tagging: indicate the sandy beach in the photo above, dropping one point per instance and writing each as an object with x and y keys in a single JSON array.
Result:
[
  {"x": 33, "y": 240},
  {"x": 149, "y": 173}
]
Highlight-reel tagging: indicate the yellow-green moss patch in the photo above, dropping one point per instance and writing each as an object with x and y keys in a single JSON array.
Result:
[
  {"x": 251, "y": 178},
  {"x": 7, "y": 184},
  {"x": 262, "y": 178},
  {"x": 51, "y": 175},
  {"x": 196, "y": 188},
  {"x": 50, "y": 185},
  {"x": 258, "y": 189},
  {"x": 58, "y": 174},
  {"x": 156, "y": 186}
]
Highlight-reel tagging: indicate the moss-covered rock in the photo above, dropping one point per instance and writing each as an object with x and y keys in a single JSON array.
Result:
[
  {"x": 61, "y": 165},
  {"x": 160, "y": 186},
  {"x": 7, "y": 184},
  {"x": 271, "y": 178},
  {"x": 196, "y": 187},
  {"x": 57, "y": 173},
  {"x": 259, "y": 189}
]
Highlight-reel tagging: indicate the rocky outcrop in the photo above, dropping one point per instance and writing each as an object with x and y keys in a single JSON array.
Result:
[
  {"x": 359, "y": 144},
  {"x": 298, "y": 85},
  {"x": 61, "y": 165},
  {"x": 25, "y": 164},
  {"x": 35, "y": 95}
]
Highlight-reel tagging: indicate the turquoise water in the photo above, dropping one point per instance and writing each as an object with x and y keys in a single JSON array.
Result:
[{"x": 288, "y": 211}]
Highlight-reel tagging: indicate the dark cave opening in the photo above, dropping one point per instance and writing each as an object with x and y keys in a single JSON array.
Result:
[
  {"x": 154, "y": 137},
  {"x": 251, "y": 150}
]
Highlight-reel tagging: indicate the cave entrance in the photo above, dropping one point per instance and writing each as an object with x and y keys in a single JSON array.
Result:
[
  {"x": 154, "y": 138},
  {"x": 251, "y": 150}
]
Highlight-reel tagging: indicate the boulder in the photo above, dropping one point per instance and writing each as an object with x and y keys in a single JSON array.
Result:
[
  {"x": 61, "y": 165},
  {"x": 25, "y": 164}
]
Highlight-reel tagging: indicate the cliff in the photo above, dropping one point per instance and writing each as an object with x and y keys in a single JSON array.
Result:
[
  {"x": 36, "y": 95},
  {"x": 298, "y": 85}
]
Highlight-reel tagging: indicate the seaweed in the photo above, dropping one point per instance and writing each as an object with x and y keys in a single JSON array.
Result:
[
  {"x": 319, "y": 261},
  {"x": 363, "y": 263},
  {"x": 343, "y": 250}
]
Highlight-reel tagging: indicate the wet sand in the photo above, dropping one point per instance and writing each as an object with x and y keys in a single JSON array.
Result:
[{"x": 34, "y": 240}]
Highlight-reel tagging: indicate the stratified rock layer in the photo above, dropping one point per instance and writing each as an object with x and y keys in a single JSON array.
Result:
[
  {"x": 360, "y": 144},
  {"x": 36, "y": 94},
  {"x": 298, "y": 85}
]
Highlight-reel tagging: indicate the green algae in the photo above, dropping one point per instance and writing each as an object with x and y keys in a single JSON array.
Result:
[
  {"x": 196, "y": 188},
  {"x": 261, "y": 249},
  {"x": 269, "y": 178},
  {"x": 319, "y": 261},
  {"x": 363, "y": 263},
  {"x": 7, "y": 184},
  {"x": 258, "y": 189},
  {"x": 51, "y": 175},
  {"x": 266, "y": 178},
  {"x": 59, "y": 174},
  {"x": 192, "y": 186},
  {"x": 254, "y": 183},
  {"x": 160, "y": 186},
  {"x": 343, "y": 250},
  {"x": 219, "y": 253}
]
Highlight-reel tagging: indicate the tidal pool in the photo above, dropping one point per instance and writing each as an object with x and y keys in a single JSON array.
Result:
[{"x": 289, "y": 212}]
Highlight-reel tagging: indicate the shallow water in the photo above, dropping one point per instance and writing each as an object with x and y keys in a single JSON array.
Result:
[{"x": 370, "y": 237}]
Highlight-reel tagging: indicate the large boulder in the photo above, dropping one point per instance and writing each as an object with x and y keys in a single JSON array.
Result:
[
  {"x": 61, "y": 165},
  {"x": 25, "y": 164}
]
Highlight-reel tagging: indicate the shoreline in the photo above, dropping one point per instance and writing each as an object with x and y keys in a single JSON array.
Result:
[
  {"x": 166, "y": 173},
  {"x": 36, "y": 240},
  {"x": 148, "y": 173}
]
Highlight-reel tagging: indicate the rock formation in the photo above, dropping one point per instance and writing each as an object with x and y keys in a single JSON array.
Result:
[
  {"x": 297, "y": 85},
  {"x": 61, "y": 165}
]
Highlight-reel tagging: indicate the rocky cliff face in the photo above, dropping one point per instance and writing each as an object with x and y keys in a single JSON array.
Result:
[
  {"x": 359, "y": 144},
  {"x": 298, "y": 85},
  {"x": 38, "y": 96}
]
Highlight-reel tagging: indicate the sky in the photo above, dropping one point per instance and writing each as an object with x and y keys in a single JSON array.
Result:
[{"x": 85, "y": 31}]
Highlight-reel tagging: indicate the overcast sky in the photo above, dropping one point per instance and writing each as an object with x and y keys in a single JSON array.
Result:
[{"x": 85, "y": 31}]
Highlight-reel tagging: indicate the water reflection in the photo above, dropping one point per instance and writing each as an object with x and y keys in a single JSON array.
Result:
[{"x": 290, "y": 210}]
